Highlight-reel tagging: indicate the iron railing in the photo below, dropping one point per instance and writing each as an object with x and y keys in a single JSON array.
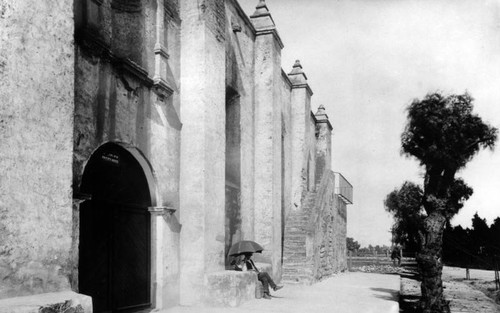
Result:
[{"x": 343, "y": 188}]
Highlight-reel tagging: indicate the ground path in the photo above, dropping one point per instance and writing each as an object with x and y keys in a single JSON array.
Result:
[{"x": 351, "y": 292}]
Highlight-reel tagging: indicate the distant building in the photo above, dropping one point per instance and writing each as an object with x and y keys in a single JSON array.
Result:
[{"x": 141, "y": 139}]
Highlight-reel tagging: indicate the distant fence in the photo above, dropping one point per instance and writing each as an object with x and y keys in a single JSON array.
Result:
[{"x": 355, "y": 260}]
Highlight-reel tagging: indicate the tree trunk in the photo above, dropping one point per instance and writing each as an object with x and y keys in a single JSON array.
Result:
[{"x": 431, "y": 266}]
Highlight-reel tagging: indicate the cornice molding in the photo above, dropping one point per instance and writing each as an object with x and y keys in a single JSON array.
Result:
[
  {"x": 130, "y": 6},
  {"x": 243, "y": 16},
  {"x": 286, "y": 79},
  {"x": 325, "y": 121},
  {"x": 97, "y": 47},
  {"x": 161, "y": 210},
  {"x": 134, "y": 69},
  {"x": 161, "y": 50},
  {"x": 162, "y": 88},
  {"x": 272, "y": 31},
  {"x": 309, "y": 90}
]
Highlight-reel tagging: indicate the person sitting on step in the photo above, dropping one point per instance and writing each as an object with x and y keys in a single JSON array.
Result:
[{"x": 244, "y": 262}]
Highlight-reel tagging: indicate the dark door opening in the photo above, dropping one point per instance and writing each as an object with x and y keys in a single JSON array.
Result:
[{"x": 115, "y": 240}]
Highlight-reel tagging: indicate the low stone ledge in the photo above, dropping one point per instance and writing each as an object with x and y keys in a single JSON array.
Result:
[
  {"x": 230, "y": 288},
  {"x": 55, "y": 302}
]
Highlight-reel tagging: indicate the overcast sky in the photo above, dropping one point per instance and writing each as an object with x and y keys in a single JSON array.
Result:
[{"x": 366, "y": 61}]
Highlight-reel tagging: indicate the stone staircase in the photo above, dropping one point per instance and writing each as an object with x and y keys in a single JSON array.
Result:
[{"x": 296, "y": 267}]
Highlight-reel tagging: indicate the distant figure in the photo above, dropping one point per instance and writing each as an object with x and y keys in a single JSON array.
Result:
[
  {"x": 245, "y": 263},
  {"x": 396, "y": 255}
]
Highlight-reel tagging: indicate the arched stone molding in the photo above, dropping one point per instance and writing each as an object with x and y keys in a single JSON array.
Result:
[{"x": 156, "y": 211}]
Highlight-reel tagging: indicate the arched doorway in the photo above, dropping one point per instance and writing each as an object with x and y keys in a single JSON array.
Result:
[{"x": 115, "y": 232}]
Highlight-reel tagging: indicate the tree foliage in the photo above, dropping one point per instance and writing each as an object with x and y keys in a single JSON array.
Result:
[
  {"x": 443, "y": 134},
  {"x": 472, "y": 247},
  {"x": 405, "y": 205},
  {"x": 352, "y": 245}
]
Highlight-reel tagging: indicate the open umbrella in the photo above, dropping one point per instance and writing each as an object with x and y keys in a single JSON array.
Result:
[{"x": 245, "y": 246}]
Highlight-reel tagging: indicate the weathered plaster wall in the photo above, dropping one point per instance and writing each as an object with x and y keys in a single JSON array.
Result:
[
  {"x": 339, "y": 234},
  {"x": 329, "y": 224},
  {"x": 164, "y": 155},
  {"x": 240, "y": 79},
  {"x": 268, "y": 149},
  {"x": 323, "y": 153},
  {"x": 311, "y": 152},
  {"x": 202, "y": 177},
  {"x": 300, "y": 143},
  {"x": 286, "y": 145},
  {"x": 115, "y": 104},
  {"x": 165, "y": 126},
  {"x": 111, "y": 104},
  {"x": 36, "y": 127}
]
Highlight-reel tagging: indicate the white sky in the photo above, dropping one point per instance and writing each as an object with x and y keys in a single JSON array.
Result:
[{"x": 366, "y": 61}]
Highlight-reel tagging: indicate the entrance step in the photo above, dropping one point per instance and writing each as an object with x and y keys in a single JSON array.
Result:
[{"x": 65, "y": 301}]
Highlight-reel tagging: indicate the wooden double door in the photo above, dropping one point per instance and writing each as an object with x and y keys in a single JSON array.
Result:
[{"x": 115, "y": 238}]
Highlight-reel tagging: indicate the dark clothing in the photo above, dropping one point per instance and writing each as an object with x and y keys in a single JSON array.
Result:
[
  {"x": 263, "y": 277},
  {"x": 251, "y": 265},
  {"x": 396, "y": 256},
  {"x": 266, "y": 281}
]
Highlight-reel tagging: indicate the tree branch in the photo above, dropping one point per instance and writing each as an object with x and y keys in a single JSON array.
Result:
[{"x": 479, "y": 141}]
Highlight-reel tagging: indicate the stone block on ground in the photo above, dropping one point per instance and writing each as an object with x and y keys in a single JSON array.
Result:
[
  {"x": 55, "y": 302},
  {"x": 230, "y": 288}
]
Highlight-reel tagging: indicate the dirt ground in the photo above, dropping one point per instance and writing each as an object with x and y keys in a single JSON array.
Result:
[
  {"x": 479, "y": 280},
  {"x": 475, "y": 295}
]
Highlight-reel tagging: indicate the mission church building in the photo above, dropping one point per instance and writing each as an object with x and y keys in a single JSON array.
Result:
[{"x": 140, "y": 139}]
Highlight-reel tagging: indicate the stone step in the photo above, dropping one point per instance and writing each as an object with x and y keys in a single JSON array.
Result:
[
  {"x": 297, "y": 274},
  {"x": 296, "y": 231},
  {"x": 294, "y": 259},
  {"x": 295, "y": 235},
  {"x": 298, "y": 220},
  {"x": 301, "y": 279},
  {"x": 295, "y": 256},
  {"x": 293, "y": 251},
  {"x": 302, "y": 263},
  {"x": 296, "y": 243},
  {"x": 297, "y": 225},
  {"x": 297, "y": 239},
  {"x": 297, "y": 269},
  {"x": 301, "y": 226},
  {"x": 295, "y": 246}
]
